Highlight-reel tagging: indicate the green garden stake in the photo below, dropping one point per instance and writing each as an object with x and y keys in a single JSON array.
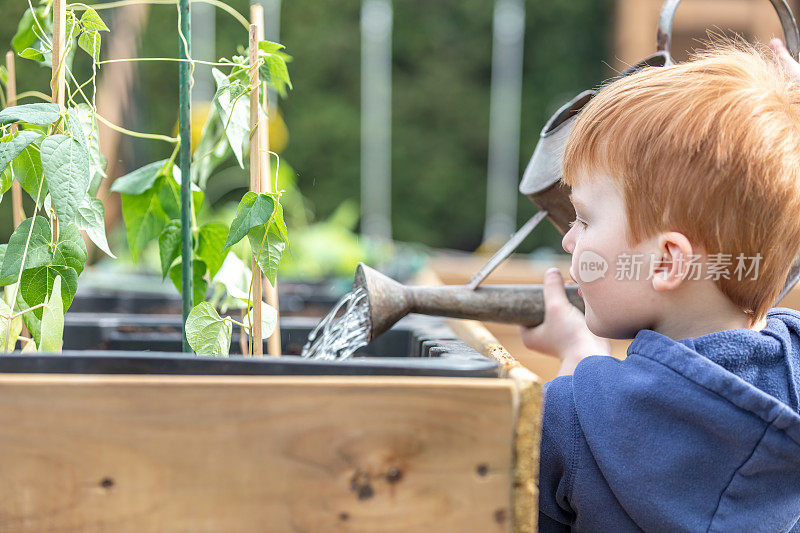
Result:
[{"x": 185, "y": 161}]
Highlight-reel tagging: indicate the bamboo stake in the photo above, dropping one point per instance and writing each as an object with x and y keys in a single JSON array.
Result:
[
  {"x": 59, "y": 42},
  {"x": 16, "y": 191},
  {"x": 270, "y": 291},
  {"x": 255, "y": 184},
  {"x": 11, "y": 97},
  {"x": 57, "y": 81}
]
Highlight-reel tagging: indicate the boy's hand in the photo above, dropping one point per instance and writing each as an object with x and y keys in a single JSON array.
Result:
[
  {"x": 563, "y": 333},
  {"x": 785, "y": 59}
]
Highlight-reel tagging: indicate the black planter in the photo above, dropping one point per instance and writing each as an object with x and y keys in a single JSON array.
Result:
[
  {"x": 294, "y": 299},
  {"x": 148, "y": 344}
]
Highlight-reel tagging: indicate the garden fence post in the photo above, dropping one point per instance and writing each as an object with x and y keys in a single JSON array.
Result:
[
  {"x": 255, "y": 185},
  {"x": 505, "y": 102},
  {"x": 262, "y": 146},
  {"x": 185, "y": 161},
  {"x": 376, "y": 119}
]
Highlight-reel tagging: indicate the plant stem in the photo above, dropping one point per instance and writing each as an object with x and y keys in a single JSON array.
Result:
[
  {"x": 33, "y": 94},
  {"x": 172, "y": 59},
  {"x": 153, "y": 136},
  {"x": 20, "y": 313},
  {"x": 24, "y": 256},
  {"x": 216, "y": 3}
]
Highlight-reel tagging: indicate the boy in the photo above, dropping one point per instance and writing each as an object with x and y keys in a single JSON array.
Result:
[{"x": 686, "y": 182}]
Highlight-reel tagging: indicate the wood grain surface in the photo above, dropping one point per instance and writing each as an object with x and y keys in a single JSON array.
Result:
[{"x": 195, "y": 453}]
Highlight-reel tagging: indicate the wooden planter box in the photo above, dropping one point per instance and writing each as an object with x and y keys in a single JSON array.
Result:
[
  {"x": 267, "y": 453},
  {"x": 86, "y": 448}
]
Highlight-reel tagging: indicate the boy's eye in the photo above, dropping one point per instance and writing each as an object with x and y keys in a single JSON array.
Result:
[{"x": 577, "y": 220}]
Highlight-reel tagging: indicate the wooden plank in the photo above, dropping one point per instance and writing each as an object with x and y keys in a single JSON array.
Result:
[{"x": 185, "y": 453}]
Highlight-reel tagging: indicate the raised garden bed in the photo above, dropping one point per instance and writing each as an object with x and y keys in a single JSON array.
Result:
[{"x": 136, "y": 344}]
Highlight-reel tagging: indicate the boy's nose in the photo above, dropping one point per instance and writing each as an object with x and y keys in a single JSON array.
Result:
[{"x": 567, "y": 242}]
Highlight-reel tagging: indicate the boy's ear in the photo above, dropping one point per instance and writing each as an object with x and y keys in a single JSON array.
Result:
[{"x": 670, "y": 268}]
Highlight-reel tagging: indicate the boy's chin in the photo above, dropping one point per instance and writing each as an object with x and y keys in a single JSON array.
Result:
[{"x": 609, "y": 328}]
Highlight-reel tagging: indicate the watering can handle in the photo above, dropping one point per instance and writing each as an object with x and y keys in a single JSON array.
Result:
[{"x": 785, "y": 15}]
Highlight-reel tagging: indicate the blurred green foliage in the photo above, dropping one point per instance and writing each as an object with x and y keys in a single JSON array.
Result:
[{"x": 441, "y": 74}]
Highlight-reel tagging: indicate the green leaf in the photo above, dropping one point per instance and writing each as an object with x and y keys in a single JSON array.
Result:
[
  {"x": 92, "y": 21},
  {"x": 70, "y": 250},
  {"x": 175, "y": 186},
  {"x": 10, "y": 149},
  {"x": 234, "y": 111},
  {"x": 280, "y": 223},
  {"x": 28, "y": 28},
  {"x": 270, "y": 255},
  {"x": 40, "y": 114},
  {"x": 75, "y": 127},
  {"x": 269, "y": 319},
  {"x": 89, "y": 41},
  {"x": 32, "y": 322},
  {"x": 208, "y": 333},
  {"x": 7, "y": 343},
  {"x": 37, "y": 283},
  {"x": 169, "y": 195},
  {"x": 235, "y": 277},
  {"x": 275, "y": 73},
  {"x": 39, "y": 252},
  {"x": 254, "y": 210},
  {"x": 27, "y": 170},
  {"x": 199, "y": 283},
  {"x": 269, "y": 46},
  {"x": 31, "y": 53},
  {"x": 209, "y": 152},
  {"x": 210, "y": 246},
  {"x": 72, "y": 26},
  {"x": 169, "y": 246},
  {"x": 91, "y": 219},
  {"x": 168, "y": 189},
  {"x": 52, "y": 330},
  {"x": 88, "y": 125},
  {"x": 139, "y": 180},
  {"x": 66, "y": 169},
  {"x": 144, "y": 219}
]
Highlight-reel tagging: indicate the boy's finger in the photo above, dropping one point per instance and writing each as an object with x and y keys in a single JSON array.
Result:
[{"x": 554, "y": 292}]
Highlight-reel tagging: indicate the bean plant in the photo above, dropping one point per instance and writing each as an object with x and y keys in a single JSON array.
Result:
[{"x": 53, "y": 153}]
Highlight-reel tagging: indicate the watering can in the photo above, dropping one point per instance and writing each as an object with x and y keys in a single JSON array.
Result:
[{"x": 389, "y": 301}]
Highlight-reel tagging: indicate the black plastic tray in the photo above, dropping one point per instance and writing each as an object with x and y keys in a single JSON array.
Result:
[
  {"x": 147, "y": 344},
  {"x": 306, "y": 299}
]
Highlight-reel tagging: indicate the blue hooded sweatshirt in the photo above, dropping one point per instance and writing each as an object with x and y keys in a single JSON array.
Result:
[{"x": 701, "y": 434}]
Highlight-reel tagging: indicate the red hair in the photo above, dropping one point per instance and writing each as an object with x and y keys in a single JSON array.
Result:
[{"x": 709, "y": 148}]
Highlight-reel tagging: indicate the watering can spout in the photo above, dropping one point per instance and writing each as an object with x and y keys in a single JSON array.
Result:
[{"x": 389, "y": 301}]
